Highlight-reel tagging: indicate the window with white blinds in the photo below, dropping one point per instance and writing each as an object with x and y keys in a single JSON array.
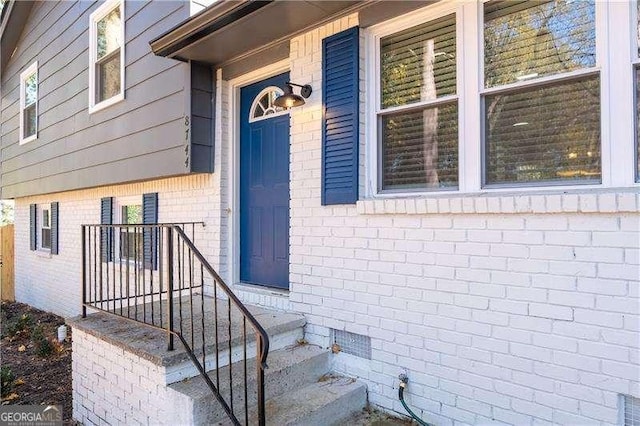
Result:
[
  {"x": 541, "y": 101},
  {"x": 488, "y": 95},
  {"x": 418, "y": 108}
]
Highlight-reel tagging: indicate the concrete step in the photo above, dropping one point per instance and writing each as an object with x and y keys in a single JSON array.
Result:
[
  {"x": 283, "y": 328},
  {"x": 328, "y": 402},
  {"x": 289, "y": 370}
]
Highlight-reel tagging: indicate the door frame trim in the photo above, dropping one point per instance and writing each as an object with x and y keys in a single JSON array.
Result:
[{"x": 233, "y": 159}]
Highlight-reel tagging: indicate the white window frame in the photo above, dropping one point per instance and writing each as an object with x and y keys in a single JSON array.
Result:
[
  {"x": 539, "y": 82},
  {"x": 94, "y": 18},
  {"x": 33, "y": 69},
  {"x": 120, "y": 203},
  {"x": 613, "y": 52},
  {"x": 41, "y": 209},
  {"x": 374, "y": 35}
]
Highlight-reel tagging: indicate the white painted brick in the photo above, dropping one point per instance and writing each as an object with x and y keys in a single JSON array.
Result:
[
  {"x": 511, "y": 334},
  {"x": 571, "y": 298},
  {"x": 575, "y": 361},
  {"x": 532, "y": 409},
  {"x": 618, "y": 304},
  {"x": 603, "y": 350},
  {"x": 605, "y": 319},
  {"x": 555, "y": 342},
  {"x": 604, "y": 382},
  {"x": 621, "y": 337},
  {"x": 599, "y": 412},
  {"x": 510, "y": 417},
  {"x": 513, "y": 363},
  {"x": 557, "y": 282},
  {"x": 556, "y": 401},
  {"x": 424, "y": 274}
]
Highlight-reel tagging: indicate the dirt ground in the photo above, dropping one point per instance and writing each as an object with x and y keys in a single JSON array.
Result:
[
  {"x": 371, "y": 417},
  {"x": 40, "y": 367},
  {"x": 41, "y": 373}
]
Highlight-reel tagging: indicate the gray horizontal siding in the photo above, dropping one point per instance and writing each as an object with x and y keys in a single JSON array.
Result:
[{"x": 141, "y": 138}]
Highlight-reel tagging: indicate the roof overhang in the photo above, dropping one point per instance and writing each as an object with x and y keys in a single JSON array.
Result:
[
  {"x": 12, "y": 21},
  {"x": 231, "y": 31}
]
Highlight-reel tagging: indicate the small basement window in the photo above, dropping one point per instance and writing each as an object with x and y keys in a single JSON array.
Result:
[
  {"x": 45, "y": 228},
  {"x": 106, "y": 74},
  {"x": 131, "y": 245},
  {"x": 29, "y": 104}
]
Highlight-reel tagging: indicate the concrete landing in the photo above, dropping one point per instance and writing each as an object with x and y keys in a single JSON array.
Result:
[{"x": 151, "y": 343}]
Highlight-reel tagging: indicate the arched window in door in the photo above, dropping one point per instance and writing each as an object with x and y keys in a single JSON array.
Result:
[{"x": 263, "y": 107}]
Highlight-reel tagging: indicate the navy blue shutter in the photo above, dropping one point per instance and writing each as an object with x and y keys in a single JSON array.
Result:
[
  {"x": 150, "y": 236},
  {"x": 106, "y": 235},
  {"x": 54, "y": 228},
  {"x": 33, "y": 232},
  {"x": 340, "y": 122}
]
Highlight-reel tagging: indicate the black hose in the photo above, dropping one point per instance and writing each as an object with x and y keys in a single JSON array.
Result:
[{"x": 403, "y": 384}]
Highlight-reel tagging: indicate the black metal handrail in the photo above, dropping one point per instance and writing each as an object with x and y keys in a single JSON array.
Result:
[{"x": 155, "y": 275}]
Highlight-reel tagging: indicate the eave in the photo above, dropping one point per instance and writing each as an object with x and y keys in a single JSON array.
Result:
[
  {"x": 12, "y": 22},
  {"x": 230, "y": 29}
]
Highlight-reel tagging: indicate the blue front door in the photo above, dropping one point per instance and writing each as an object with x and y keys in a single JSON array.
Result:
[{"x": 264, "y": 186}]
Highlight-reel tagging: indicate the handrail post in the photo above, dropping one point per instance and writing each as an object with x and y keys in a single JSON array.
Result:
[
  {"x": 260, "y": 381},
  {"x": 84, "y": 272},
  {"x": 170, "y": 285}
]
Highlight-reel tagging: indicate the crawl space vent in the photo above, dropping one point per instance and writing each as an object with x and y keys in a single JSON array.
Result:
[
  {"x": 631, "y": 411},
  {"x": 352, "y": 343}
]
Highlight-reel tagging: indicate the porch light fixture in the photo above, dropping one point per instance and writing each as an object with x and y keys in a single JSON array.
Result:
[{"x": 289, "y": 99}]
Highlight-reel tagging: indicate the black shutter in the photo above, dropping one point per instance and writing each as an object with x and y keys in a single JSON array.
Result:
[
  {"x": 33, "y": 231},
  {"x": 340, "y": 123},
  {"x": 54, "y": 228},
  {"x": 106, "y": 235},
  {"x": 150, "y": 236}
]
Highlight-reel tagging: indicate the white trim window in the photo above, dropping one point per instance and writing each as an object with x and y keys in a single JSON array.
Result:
[
  {"x": 517, "y": 95},
  {"x": 45, "y": 228},
  {"x": 130, "y": 239},
  {"x": 541, "y": 96},
  {"x": 106, "y": 55},
  {"x": 29, "y": 104},
  {"x": 416, "y": 104}
]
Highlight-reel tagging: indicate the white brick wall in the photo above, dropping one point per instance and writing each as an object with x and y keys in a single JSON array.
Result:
[
  {"x": 53, "y": 282},
  {"x": 113, "y": 386},
  {"x": 520, "y": 308},
  {"x": 517, "y": 308}
]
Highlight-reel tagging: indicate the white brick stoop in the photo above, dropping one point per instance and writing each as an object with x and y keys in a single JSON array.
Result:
[{"x": 118, "y": 381}]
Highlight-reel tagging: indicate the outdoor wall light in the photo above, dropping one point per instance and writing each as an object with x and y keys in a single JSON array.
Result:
[{"x": 289, "y": 99}]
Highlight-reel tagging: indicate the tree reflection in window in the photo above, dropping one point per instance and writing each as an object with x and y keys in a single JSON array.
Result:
[
  {"x": 550, "y": 131},
  {"x": 419, "y": 145},
  {"x": 30, "y": 99}
]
